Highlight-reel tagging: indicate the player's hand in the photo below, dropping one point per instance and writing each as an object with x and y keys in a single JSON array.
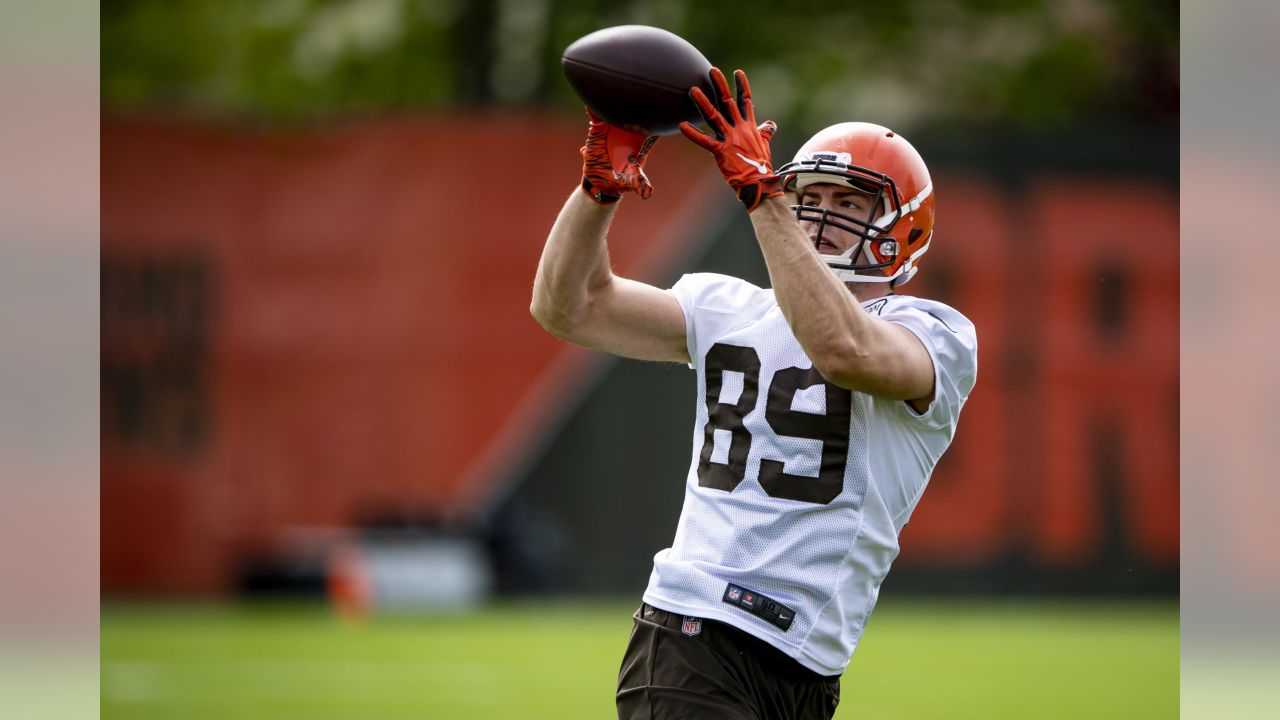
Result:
[
  {"x": 741, "y": 148},
  {"x": 613, "y": 162}
]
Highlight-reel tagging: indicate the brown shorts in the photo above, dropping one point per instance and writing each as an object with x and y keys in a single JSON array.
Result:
[{"x": 686, "y": 668}]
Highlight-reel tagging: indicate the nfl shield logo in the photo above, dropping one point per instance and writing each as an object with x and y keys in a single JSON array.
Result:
[
  {"x": 734, "y": 593},
  {"x": 691, "y": 626}
]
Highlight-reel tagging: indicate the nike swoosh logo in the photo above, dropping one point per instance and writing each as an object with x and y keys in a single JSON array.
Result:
[{"x": 764, "y": 169}]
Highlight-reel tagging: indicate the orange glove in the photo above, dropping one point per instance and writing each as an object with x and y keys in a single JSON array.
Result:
[
  {"x": 740, "y": 147},
  {"x": 613, "y": 162}
]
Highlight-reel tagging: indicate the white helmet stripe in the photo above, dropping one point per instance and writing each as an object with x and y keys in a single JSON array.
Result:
[{"x": 918, "y": 199}]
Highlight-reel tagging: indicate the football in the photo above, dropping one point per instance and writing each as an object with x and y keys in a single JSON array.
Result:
[{"x": 637, "y": 77}]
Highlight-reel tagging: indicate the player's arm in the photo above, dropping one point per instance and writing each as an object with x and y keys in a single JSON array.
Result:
[
  {"x": 576, "y": 296},
  {"x": 849, "y": 347}
]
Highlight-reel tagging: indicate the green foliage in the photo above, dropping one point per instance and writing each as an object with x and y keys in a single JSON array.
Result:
[
  {"x": 913, "y": 61},
  {"x": 281, "y": 58},
  {"x": 959, "y": 659}
]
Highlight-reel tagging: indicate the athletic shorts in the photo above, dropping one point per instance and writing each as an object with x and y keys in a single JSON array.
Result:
[{"x": 687, "y": 668}]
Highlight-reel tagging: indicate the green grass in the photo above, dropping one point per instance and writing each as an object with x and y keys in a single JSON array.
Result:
[{"x": 961, "y": 659}]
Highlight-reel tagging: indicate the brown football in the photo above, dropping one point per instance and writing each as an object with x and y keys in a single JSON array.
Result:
[{"x": 637, "y": 77}]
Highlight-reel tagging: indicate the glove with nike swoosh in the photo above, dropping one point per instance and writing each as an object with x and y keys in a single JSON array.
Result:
[
  {"x": 740, "y": 147},
  {"x": 613, "y": 162}
]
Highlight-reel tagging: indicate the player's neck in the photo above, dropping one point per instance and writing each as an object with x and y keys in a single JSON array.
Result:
[{"x": 868, "y": 291}]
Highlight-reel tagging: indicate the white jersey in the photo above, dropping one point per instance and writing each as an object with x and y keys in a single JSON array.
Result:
[{"x": 798, "y": 488}]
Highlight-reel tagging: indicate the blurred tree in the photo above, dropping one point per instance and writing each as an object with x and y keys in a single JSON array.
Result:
[{"x": 1026, "y": 62}]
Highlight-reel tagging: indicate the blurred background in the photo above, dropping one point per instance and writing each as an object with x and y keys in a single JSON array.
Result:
[{"x": 343, "y": 469}]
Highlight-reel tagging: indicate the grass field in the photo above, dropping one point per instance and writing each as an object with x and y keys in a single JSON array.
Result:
[{"x": 961, "y": 659}]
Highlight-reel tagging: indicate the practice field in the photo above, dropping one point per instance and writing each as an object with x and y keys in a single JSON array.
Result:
[{"x": 961, "y": 659}]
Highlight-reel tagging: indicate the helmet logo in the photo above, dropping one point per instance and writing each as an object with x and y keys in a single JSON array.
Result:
[{"x": 824, "y": 156}]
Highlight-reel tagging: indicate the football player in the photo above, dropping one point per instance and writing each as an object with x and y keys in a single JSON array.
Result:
[{"x": 824, "y": 404}]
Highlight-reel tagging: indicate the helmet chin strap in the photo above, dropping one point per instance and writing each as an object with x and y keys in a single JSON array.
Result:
[
  {"x": 904, "y": 274},
  {"x": 847, "y": 275}
]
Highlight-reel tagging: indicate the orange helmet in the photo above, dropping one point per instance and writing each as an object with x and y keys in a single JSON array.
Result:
[{"x": 876, "y": 159}]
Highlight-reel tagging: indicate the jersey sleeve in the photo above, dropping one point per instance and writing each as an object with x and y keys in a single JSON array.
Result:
[
  {"x": 713, "y": 305},
  {"x": 952, "y": 343}
]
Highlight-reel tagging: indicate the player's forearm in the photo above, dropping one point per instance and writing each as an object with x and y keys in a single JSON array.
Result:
[
  {"x": 825, "y": 317},
  {"x": 574, "y": 264}
]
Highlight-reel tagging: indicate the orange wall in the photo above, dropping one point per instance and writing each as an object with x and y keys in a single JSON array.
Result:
[
  {"x": 297, "y": 325},
  {"x": 1067, "y": 450}
]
